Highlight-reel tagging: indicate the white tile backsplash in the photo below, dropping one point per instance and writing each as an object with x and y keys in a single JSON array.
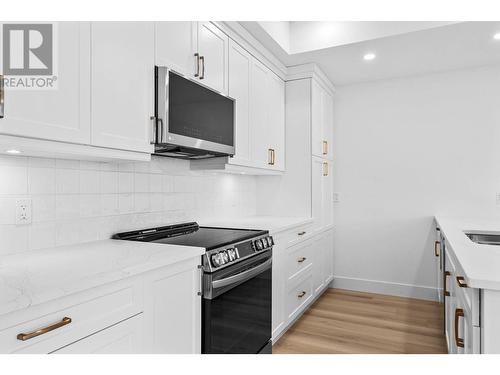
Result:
[{"x": 78, "y": 201}]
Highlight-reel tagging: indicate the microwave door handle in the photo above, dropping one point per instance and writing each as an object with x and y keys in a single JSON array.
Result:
[{"x": 243, "y": 276}]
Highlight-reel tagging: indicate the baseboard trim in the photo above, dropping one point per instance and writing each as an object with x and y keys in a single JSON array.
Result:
[{"x": 384, "y": 287}]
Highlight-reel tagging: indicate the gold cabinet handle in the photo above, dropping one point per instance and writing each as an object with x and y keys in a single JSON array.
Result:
[
  {"x": 325, "y": 168},
  {"x": 461, "y": 282},
  {"x": 301, "y": 259},
  {"x": 302, "y": 294},
  {"x": 437, "y": 248},
  {"x": 325, "y": 147},
  {"x": 41, "y": 331},
  {"x": 458, "y": 341},
  {"x": 202, "y": 60},
  {"x": 197, "y": 55},
  {"x": 271, "y": 156},
  {"x": 301, "y": 233},
  {"x": 445, "y": 279}
]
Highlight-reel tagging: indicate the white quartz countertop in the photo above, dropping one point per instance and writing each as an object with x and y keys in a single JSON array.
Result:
[
  {"x": 480, "y": 263},
  {"x": 39, "y": 276},
  {"x": 274, "y": 224}
]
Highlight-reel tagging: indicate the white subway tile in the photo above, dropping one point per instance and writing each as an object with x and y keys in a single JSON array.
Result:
[
  {"x": 155, "y": 183},
  {"x": 41, "y": 181},
  {"x": 126, "y": 203},
  {"x": 13, "y": 180},
  {"x": 90, "y": 182},
  {"x": 110, "y": 167},
  {"x": 90, "y": 165},
  {"x": 41, "y": 162},
  {"x": 14, "y": 161},
  {"x": 14, "y": 239},
  {"x": 125, "y": 182},
  {"x": 90, "y": 205},
  {"x": 109, "y": 204},
  {"x": 42, "y": 235},
  {"x": 109, "y": 182},
  {"x": 43, "y": 208},
  {"x": 67, "y": 233},
  {"x": 67, "y": 181},
  {"x": 141, "y": 183},
  {"x": 67, "y": 206},
  {"x": 67, "y": 164},
  {"x": 142, "y": 202},
  {"x": 7, "y": 210}
]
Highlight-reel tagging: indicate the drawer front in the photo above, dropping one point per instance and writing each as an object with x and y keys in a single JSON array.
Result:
[
  {"x": 71, "y": 323},
  {"x": 299, "y": 234},
  {"x": 300, "y": 293},
  {"x": 298, "y": 258},
  {"x": 122, "y": 338}
]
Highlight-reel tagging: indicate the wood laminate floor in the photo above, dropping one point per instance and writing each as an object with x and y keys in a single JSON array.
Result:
[{"x": 346, "y": 322}]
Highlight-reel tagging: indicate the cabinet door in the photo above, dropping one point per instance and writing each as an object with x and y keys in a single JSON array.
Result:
[
  {"x": 317, "y": 192},
  {"x": 464, "y": 326},
  {"x": 449, "y": 304},
  {"x": 327, "y": 125},
  {"x": 175, "y": 45},
  {"x": 62, "y": 113},
  {"x": 173, "y": 310},
  {"x": 279, "y": 284},
  {"x": 259, "y": 141},
  {"x": 213, "y": 49},
  {"x": 327, "y": 193},
  {"x": 318, "y": 263},
  {"x": 317, "y": 119},
  {"x": 327, "y": 244},
  {"x": 240, "y": 62},
  {"x": 122, "y": 85},
  {"x": 122, "y": 338},
  {"x": 276, "y": 120}
]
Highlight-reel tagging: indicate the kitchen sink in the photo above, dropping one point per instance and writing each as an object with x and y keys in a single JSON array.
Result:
[{"x": 484, "y": 238}]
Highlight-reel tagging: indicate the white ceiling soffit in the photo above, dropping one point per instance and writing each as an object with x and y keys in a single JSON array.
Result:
[{"x": 399, "y": 49}]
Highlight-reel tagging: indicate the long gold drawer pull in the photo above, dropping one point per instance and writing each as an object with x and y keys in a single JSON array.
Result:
[
  {"x": 302, "y": 294},
  {"x": 325, "y": 168},
  {"x": 446, "y": 292},
  {"x": 461, "y": 282},
  {"x": 325, "y": 147},
  {"x": 301, "y": 233},
  {"x": 300, "y": 260},
  {"x": 458, "y": 340},
  {"x": 41, "y": 331},
  {"x": 437, "y": 246}
]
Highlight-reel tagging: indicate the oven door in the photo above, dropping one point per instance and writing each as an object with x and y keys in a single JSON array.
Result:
[{"x": 237, "y": 308}]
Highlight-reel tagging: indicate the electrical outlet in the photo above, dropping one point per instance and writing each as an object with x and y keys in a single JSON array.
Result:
[
  {"x": 23, "y": 211},
  {"x": 336, "y": 197}
]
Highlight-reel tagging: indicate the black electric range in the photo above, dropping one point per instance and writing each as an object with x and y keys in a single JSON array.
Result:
[{"x": 237, "y": 283}]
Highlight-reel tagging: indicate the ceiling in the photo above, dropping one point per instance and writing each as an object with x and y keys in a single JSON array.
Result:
[{"x": 401, "y": 48}]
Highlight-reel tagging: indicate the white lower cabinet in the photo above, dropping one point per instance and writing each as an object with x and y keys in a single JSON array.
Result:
[
  {"x": 155, "y": 312},
  {"x": 122, "y": 338},
  {"x": 302, "y": 270}
]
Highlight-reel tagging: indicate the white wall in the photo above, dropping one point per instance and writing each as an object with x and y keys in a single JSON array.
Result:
[
  {"x": 80, "y": 201},
  {"x": 405, "y": 150}
]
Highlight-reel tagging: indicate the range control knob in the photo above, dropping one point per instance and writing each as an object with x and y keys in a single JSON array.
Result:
[
  {"x": 216, "y": 260},
  {"x": 231, "y": 254},
  {"x": 259, "y": 245},
  {"x": 264, "y": 242},
  {"x": 225, "y": 257},
  {"x": 270, "y": 241}
]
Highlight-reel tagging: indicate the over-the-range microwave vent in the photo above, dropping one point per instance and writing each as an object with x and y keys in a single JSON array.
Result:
[
  {"x": 192, "y": 120},
  {"x": 180, "y": 152}
]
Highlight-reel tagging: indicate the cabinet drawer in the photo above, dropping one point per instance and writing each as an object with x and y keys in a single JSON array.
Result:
[
  {"x": 296, "y": 235},
  {"x": 300, "y": 293},
  {"x": 122, "y": 338},
  {"x": 298, "y": 258},
  {"x": 71, "y": 323}
]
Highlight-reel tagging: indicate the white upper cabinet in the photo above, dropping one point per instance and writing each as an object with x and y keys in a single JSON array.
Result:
[
  {"x": 322, "y": 192},
  {"x": 240, "y": 63},
  {"x": 213, "y": 56},
  {"x": 176, "y": 45},
  {"x": 122, "y": 85},
  {"x": 322, "y": 121},
  {"x": 61, "y": 113},
  {"x": 267, "y": 118}
]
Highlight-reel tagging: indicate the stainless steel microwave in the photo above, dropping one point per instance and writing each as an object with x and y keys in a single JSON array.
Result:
[{"x": 191, "y": 120}]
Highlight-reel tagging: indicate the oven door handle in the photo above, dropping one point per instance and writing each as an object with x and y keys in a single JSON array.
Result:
[{"x": 243, "y": 276}]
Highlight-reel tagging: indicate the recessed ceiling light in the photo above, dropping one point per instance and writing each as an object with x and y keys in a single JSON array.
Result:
[
  {"x": 369, "y": 56},
  {"x": 496, "y": 36},
  {"x": 13, "y": 151}
]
